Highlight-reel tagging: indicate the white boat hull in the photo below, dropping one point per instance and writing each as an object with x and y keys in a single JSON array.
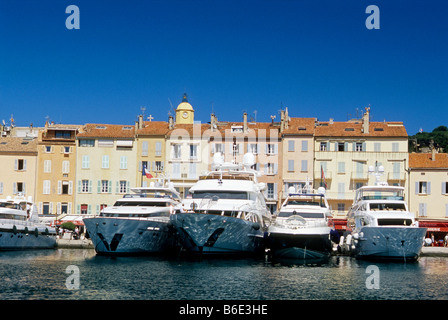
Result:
[
  {"x": 122, "y": 236},
  {"x": 209, "y": 234},
  {"x": 390, "y": 242}
]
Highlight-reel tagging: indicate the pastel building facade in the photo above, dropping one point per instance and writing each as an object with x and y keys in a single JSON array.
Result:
[
  {"x": 106, "y": 165},
  {"x": 344, "y": 152},
  {"x": 428, "y": 190},
  {"x": 56, "y": 169}
]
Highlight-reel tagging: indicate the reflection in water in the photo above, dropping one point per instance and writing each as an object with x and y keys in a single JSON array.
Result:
[{"x": 42, "y": 275}]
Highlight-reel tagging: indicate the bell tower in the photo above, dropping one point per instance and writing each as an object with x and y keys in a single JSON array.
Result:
[{"x": 184, "y": 112}]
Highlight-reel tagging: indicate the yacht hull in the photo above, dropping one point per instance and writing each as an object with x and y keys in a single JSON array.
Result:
[
  {"x": 13, "y": 239},
  {"x": 208, "y": 234},
  {"x": 119, "y": 236},
  {"x": 299, "y": 244},
  {"x": 390, "y": 243}
]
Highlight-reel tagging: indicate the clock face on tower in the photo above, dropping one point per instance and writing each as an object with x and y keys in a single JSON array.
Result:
[{"x": 185, "y": 115}]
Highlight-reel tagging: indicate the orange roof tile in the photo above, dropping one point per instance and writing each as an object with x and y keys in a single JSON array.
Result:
[
  {"x": 354, "y": 129},
  {"x": 300, "y": 126},
  {"x": 153, "y": 128},
  {"x": 424, "y": 160},
  {"x": 92, "y": 130},
  {"x": 18, "y": 145}
]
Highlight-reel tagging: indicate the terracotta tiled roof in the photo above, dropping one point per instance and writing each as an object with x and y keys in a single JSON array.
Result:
[
  {"x": 354, "y": 129},
  {"x": 154, "y": 128},
  {"x": 424, "y": 160},
  {"x": 300, "y": 126},
  {"x": 18, "y": 145},
  {"x": 92, "y": 130}
]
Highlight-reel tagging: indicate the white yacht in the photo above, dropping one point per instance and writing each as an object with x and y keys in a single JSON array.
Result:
[
  {"x": 20, "y": 228},
  {"x": 226, "y": 212},
  {"x": 138, "y": 223},
  {"x": 379, "y": 224},
  {"x": 302, "y": 228}
]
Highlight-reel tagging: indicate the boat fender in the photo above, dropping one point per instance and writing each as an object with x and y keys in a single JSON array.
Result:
[
  {"x": 341, "y": 241},
  {"x": 256, "y": 226},
  {"x": 36, "y": 232},
  {"x": 26, "y": 230},
  {"x": 348, "y": 241},
  {"x": 14, "y": 229},
  {"x": 356, "y": 236},
  {"x": 46, "y": 231}
]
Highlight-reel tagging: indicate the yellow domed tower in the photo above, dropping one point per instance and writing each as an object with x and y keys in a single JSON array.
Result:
[{"x": 184, "y": 112}]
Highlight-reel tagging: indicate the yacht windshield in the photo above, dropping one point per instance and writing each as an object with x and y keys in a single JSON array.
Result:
[
  {"x": 141, "y": 204},
  {"x": 10, "y": 205},
  {"x": 237, "y": 195},
  {"x": 306, "y": 215},
  {"x": 387, "y": 206}
]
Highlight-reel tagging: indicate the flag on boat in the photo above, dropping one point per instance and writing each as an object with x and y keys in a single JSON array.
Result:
[
  {"x": 322, "y": 177},
  {"x": 146, "y": 173}
]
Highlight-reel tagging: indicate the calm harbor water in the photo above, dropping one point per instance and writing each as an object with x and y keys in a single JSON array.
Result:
[{"x": 79, "y": 274}]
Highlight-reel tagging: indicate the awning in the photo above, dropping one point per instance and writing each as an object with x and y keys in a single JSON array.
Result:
[
  {"x": 76, "y": 219},
  {"x": 434, "y": 225}
]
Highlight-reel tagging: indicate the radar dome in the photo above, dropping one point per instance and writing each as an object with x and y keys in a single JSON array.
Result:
[
  {"x": 248, "y": 159},
  {"x": 218, "y": 159}
]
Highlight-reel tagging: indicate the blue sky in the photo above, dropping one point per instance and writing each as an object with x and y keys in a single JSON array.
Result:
[{"x": 315, "y": 57}]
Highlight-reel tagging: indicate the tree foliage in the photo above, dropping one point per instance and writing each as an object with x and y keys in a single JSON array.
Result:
[{"x": 438, "y": 138}]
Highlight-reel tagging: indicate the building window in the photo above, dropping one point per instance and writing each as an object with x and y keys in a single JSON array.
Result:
[
  {"x": 48, "y": 149},
  {"x": 304, "y": 167},
  {"x": 341, "y": 207},
  {"x": 253, "y": 148},
  {"x": 177, "y": 151},
  {"x": 291, "y": 145},
  {"x": 65, "y": 166},
  {"x": 105, "y": 162},
  {"x": 123, "y": 162},
  {"x": 85, "y": 162},
  {"x": 218, "y": 147},
  {"x": 395, "y": 147},
  {"x": 61, "y": 134},
  {"x": 47, "y": 166},
  {"x": 423, "y": 187},
  {"x": 271, "y": 148},
  {"x": 340, "y": 146},
  {"x": 86, "y": 143},
  {"x": 20, "y": 165},
  {"x": 193, "y": 151},
  {"x": 19, "y": 187},
  {"x": 444, "y": 187},
  {"x": 84, "y": 208},
  {"x": 324, "y": 146},
  {"x": 144, "y": 148},
  {"x": 304, "y": 145},
  {"x": 46, "y": 208},
  {"x": 358, "y": 146},
  {"x": 46, "y": 188},
  {"x": 123, "y": 186},
  {"x": 85, "y": 186},
  {"x": 290, "y": 165},
  {"x": 422, "y": 210},
  {"x": 105, "y": 186},
  {"x": 158, "y": 149},
  {"x": 271, "y": 192},
  {"x": 341, "y": 167}
]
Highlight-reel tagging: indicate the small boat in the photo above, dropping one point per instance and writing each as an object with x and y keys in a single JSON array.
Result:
[
  {"x": 302, "y": 228},
  {"x": 20, "y": 228},
  {"x": 226, "y": 213},
  {"x": 380, "y": 226},
  {"x": 138, "y": 223}
]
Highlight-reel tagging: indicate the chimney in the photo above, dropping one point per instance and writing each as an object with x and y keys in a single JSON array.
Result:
[
  {"x": 282, "y": 120},
  {"x": 213, "y": 122},
  {"x": 366, "y": 120},
  {"x": 140, "y": 121},
  {"x": 170, "y": 122},
  {"x": 245, "y": 122}
]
